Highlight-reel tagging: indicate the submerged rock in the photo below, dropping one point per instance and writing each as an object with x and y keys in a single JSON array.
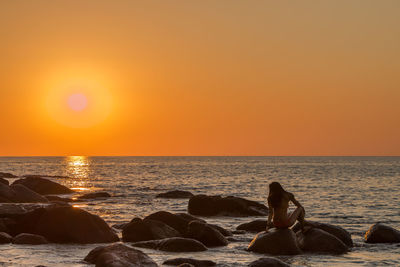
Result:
[
  {"x": 19, "y": 194},
  {"x": 95, "y": 195},
  {"x": 173, "y": 244},
  {"x": 381, "y": 233},
  {"x": 43, "y": 186},
  {"x": 204, "y": 205},
  {"x": 253, "y": 226},
  {"x": 29, "y": 239},
  {"x": 7, "y": 175},
  {"x": 66, "y": 224},
  {"x": 118, "y": 255},
  {"x": 206, "y": 234},
  {"x": 175, "y": 194},
  {"x": 143, "y": 230},
  {"x": 5, "y": 238},
  {"x": 194, "y": 262},
  {"x": 268, "y": 262},
  {"x": 275, "y": 242},
  {"x": 318, "y": 241}
]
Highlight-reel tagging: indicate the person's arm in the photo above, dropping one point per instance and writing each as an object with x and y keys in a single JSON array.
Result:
[
  {"x": 270, "y": 214},
  {"x": 295, "y": 202}
]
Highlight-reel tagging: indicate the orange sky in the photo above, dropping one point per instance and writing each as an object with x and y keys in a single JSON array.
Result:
[{"x": 200, "y": 78}]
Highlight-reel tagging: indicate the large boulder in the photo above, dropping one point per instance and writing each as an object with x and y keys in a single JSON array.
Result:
[
  {"x": 315, "y": 240},
  {"x": 268, "y": 262},
  {"x": 19, "y": 194},
  {"x": 143, "y": 230},
  {"x": 7, "y": 175},
  {"x": 194, "y": 262},
  {"x": 94, "y": 195},
  {"x": 204, "y": 205},
  {"x": 118, "y": 255},
  {"x": 255, "y": 226},
  {"x": 4, "y": 181},
  {"x": 29, "y": 239},
  {"x": 175, "y": 194},
  {"x": 205, "y": 234},
  {"x": 381, "y": 233},
  {"x": 66, "y": 224},
  {"x": 173, "y": 244},
  {"x": 275, "y": 242},
  {"x": 175, "y": 221},
  {"x": 43, "y": 186},
  {"x": 337, "y": 231},
  {"x": 5, "y": 238}
]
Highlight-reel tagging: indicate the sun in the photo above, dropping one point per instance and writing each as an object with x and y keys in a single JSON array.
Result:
[{"x": 77, "y": 102}]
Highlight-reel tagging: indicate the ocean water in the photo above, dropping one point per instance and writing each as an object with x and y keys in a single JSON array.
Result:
[{"x": 351, "y": 192}]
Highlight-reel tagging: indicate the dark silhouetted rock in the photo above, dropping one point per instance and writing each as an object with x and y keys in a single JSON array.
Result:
[
  {"x": 194, "y": 262},
  {"x": 206, "y": 234},
  {"x": 173, "y": 220},
  {"x": 253, "y": 226},
  {"x": 5, "y": 238},
  {"x": 43, "y": 186},
  {"x": 173, "y": 244},
  {"x": 7, "y": 175},
  {"x": 119, "y": 226},
  {"x": 275, "y": 242},
  {"x": 268, "y": 262},
  {"x": 59, "y": 199},
  {"x": 29, "y": 239},
  {"x": 19, "y": 194},
  {"x": 67, "y": 225},
  {"x": 220, "y": 229},
  {"x": 118, "y": 255},
  {"x": 95, "y": 195},
  {"x": 4, "y": 181},
  {"x": 187, "y": 217},
  {"x": 337, "y": 231},
  {"x": 175, "y": 194},
  {"x": 186, "y": 265},
  {"x": 143, "y": 230},
  {"x": 204, "y": 205},
  {"x": 381, "y": 233},
  {"x": 318, "y": 241}
]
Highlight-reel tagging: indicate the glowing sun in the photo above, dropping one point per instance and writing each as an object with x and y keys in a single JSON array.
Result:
[{"x": 77, "y": 102}]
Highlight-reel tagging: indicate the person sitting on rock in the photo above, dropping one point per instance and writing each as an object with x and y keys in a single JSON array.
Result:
[{"x": 278, "y": 203}]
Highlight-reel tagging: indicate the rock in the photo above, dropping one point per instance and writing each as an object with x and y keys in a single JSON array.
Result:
[
  {"x": 14, "y": 210},
  {"x": 43, "y": 186},
  {"x": 207, "y": 235},
  {"x": 66, "y": 224},
  {"x": 119, "y": 226},
  {"x": 5, "y": 238},
  {"x": 7, "y": 175},
  {"x": 143, "y": 230},
  {"x": 19, "y": 194},
  {"x": 337, "y": 231},
  {"x": 29, "y": 239},
  {"x": 186, "y": 265},
  {"x": 173, "y": 220},
  {"x": 268, "y": 262},
  {"x": 59, "y": 199},
  {"x": 204, "y": 205},
  {"x": 6, "y": 224},
  {"x": 223, "y": 231},
  {"x": 118, "y": 255},
  {"x": 175, "y": 194},
  {"x": 194, "y": 262},
  {"x": 187, "y": 217},
  {"x": 318, "y": 241},
  {"x": 173, "y": 244},
  {"x": 253, "y": 226},
  {"x": 239, "y": 232},
  {"x": 275, "y": 242},
  {"x": 4, "y": 181},
  {"x": 381, "y": 233},
  {"x": 95, "y": 195}
]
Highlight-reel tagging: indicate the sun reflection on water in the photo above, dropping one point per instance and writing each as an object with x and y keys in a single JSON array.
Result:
[{"x": 78, "y": 167}]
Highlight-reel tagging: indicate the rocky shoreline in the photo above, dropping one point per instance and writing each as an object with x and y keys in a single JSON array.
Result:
[{"x": 35, "y": 210}]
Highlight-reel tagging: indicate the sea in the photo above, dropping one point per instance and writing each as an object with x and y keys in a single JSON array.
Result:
[{"x": 350, "y": 192}]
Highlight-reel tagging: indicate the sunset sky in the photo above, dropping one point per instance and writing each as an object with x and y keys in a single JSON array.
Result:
[{"x": 199, "y": 78}]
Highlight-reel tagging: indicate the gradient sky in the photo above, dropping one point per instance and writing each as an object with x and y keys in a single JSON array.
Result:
[{"x": 200, "y": 78}]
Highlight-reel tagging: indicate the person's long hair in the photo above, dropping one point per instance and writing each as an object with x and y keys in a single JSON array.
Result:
[{"x": 276, "y": 193}]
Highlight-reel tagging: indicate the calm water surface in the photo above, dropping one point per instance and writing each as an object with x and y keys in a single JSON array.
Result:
[{"x": 352, "y": 192}]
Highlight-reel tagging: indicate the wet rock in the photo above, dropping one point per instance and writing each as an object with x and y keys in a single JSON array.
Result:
[
  {"x": 59, "y": 199},
  {"x": 318, "y": 241},
  {"x": 194, "y": 262},
  {"x": 43, "y": 186},
  {"x": 173, "y": 244},
  {"x": 337, "y": 231},
  {"x": 19, "y": 194},
  {"x": 4, "y": 181},
  {"x": 220, "y": 229},
  {"x": 5, "y": 238},
  {"x": 275, "y": 242},
  {"x": 66, "y": 224},
  {"x": 206, "y": 234},
  {"x": 268, "y": 262},
  {"x": 7, "y": 175},
  {"x": 239, "y": 232},
  {"x": 118, "y": 255},
  {"x": 95, "y": 195},
  {"x": 253, "y": 226},
  {"x": 186, "y": 265},
  {"x": 381, "y": 233},
  {"x": 204, "y": 205},
  {"x": 175, "y": 194},
  {"x": 119, "y": 226},
  {"x": 172, "y": 220},
  {"x": 29, "y": 239},
  {"x": 187, "y": 217},
  {"x": 143, "y": 230}
]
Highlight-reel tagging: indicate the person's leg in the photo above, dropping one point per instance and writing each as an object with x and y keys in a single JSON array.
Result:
[{"x": 297, "y": 214}]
